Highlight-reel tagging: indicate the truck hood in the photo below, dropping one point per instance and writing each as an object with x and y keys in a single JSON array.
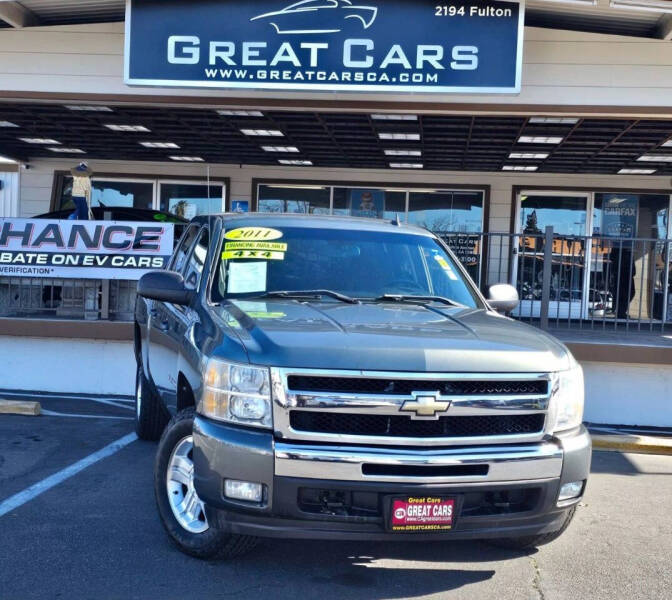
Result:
[{"x": 388, "y": 337}]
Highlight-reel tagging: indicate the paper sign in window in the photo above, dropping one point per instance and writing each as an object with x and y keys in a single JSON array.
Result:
[{"x": 247, "y": 277}]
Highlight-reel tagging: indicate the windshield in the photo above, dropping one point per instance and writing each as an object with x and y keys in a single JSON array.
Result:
[{"x": 367, "y": 265}]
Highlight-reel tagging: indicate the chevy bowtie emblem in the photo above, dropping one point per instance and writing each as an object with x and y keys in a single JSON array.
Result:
[{"x": 427, "y": 406}]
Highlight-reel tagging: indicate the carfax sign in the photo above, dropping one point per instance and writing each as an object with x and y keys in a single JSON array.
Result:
[
  {"x": 83, "y": 249},
  {"x": 468, "y": 46}
]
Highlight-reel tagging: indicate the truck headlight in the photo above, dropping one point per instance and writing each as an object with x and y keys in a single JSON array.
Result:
[
  {"x": 567, "y": 401},
  {"x": 237, "y": 394}
]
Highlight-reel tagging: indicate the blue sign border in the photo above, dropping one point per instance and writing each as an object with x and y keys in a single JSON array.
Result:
[{"x": 326, "y": 88}]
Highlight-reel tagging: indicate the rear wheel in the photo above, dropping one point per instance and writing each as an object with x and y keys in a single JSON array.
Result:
[
  {"x": 182, "y": 512},
  {"x": 532, "y": 541},
  {"x": 150, "y": 414}
]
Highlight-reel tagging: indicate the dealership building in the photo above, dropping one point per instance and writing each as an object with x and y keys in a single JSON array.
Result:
[{"x": 535, "y": 138}]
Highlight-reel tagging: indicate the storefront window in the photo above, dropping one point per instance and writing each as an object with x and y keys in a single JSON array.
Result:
[
  {"x": 450, "y": 212},
  {"x": 310, "y": 200},
  {"x": 369, "y": 202},
  {"x": 188, "y": 200},
  {"x": 127, "y": 194}
]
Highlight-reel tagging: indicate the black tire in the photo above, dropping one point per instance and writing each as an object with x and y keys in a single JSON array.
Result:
[
  {"x": 151, "y": 416},
  {"x": 210, "y": 544},
  {"x": 533, "y": 541}
]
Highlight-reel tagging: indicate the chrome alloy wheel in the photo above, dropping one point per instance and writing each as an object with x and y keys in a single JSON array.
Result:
[{"x": 184, "y": 502}]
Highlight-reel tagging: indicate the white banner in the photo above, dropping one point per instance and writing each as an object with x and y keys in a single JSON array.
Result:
[{"x": 83, "y": 249}]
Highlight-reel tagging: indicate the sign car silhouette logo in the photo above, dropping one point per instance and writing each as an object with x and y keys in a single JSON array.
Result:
[{"x": 318, "y": 16}]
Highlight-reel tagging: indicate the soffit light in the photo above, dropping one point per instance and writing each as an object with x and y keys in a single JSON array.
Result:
[
  {"x": 656, "y": 158},
  {"x": 240, "y": 113},
  {"x": 39, "y": 140},
  {"x": 410, "y": 137},
  {"x": 63, "y": 150},
  {"x": 263, "y": 132},
  {"x": 540, "y": 139},
  {"x": 390, "y": 117},
  {"x": 7, "y": 124},
  {"x": 555, "y": 120},
  {"x": 88, "y": 108},
  {"x": 637, "y": 171},
  {"x": 403, "y": 152},
  {"x": 668, "y": 144},
  {"x": 280, "y": 149},
  {"x": 406, "y": 165},
  {"x": 129, "y": 128},
  {"x": 159, "y": 144},
  {"x": 5, "y": 160},
  {"x": 648, "y": 5},
  {"x": 296, "y": 163},
  {"x": 529, "y": 155},
  {"x": 187, "y": 158},
  {"x": 519, "y": 168}
]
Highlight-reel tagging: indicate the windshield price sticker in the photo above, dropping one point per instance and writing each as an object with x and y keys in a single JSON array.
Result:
[
  {"x": 261, "y": 234},
  {"x": 272, "y": 246},
  {"x": 252, "y": 254},
  {"x": 443, "y": 263}
]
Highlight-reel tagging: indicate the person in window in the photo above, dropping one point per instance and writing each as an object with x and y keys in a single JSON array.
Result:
[
  {"x": 81, "y": 192},
  {"x": 622, "y": 279}
]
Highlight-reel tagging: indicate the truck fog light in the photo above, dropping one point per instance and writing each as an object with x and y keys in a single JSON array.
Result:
[
  {"x": 570, "y": 490},
  {"x": 244, "y": 490},
  {"x": 248, "y": 408}
]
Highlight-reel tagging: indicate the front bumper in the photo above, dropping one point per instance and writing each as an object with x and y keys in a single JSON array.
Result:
[{"x": 329, "y": 492}]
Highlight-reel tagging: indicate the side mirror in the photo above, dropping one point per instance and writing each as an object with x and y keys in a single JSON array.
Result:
[
  {"x": 165, "y": 286},
  {"x": 503, "y": 298}
]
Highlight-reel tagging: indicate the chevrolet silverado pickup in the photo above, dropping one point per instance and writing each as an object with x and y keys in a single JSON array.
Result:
[{"x": 344, "y": 379}]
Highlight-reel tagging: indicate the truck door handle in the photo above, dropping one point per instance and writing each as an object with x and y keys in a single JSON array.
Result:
[{"x": 164, "y": 326}]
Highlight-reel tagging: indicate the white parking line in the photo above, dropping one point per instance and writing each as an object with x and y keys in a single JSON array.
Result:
[
  {"x": 40, "y": 487},
  {"x": 53, "y": 413}
]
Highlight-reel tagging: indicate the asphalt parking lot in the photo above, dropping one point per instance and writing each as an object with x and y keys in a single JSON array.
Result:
[{"x": 96, "y": 534}]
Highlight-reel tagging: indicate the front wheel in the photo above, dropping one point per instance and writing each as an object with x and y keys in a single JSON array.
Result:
[
  {"x": 533, "y": 541},
  {"x": 181, "y": 511}
]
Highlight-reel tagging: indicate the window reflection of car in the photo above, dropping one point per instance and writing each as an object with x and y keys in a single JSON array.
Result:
[{"x": 319, "y": 16}]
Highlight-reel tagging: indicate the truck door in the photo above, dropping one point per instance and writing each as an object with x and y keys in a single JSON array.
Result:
[{"x": 162, "y": 360}]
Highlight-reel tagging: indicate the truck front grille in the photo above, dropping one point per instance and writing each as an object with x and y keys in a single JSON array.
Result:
[
  {"x": 404, "y": 426},
  {"x": 393, "y": 386}
]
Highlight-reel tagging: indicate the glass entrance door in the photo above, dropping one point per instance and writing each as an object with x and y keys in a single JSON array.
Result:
[{"x": 568, "y": 214}]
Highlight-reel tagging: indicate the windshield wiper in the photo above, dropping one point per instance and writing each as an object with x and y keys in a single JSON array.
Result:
[
  {"x": 317, "y": 294},
  {"x": 417, "y": 299}
]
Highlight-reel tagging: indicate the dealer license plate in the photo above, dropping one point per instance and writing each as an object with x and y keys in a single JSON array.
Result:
[{"x": 422, "y": 514}]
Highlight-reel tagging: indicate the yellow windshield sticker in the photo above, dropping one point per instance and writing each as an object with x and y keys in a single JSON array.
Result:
[
  {"x": 252, "y": 254},
  {"x": 445, "y": 265},
  {"x": 272, "y": 246},
  {"x": 261, "y": 234}
]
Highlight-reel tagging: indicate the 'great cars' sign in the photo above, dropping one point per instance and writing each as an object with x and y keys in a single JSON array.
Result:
[
  {"x": 83, "y": 249},
  {"x": 334, "y": 45}
]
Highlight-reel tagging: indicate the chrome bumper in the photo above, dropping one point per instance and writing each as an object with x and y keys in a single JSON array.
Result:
[{"x": 504, "y": 464}]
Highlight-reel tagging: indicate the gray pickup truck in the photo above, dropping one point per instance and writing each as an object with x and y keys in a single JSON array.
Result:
[{"x": 333, "y": 378}]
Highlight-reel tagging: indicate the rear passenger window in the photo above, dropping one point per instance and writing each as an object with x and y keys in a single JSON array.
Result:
[
  {"x": 183, "y": 249},
  {"x": 196, "y": 261}
]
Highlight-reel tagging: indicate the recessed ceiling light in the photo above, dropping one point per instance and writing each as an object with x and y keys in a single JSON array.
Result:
[
  {"x": 280, "y": 149},
  {"x": 519, "y": 168},
  {"x": 241, "y": 113},
  {"x": 187, "y": 158},
  {"x": 539, "y": 139},
  {"x": 5, "y": 160},
  {"x": 637, "y": 171},
  {"x": 655, "y": 158},
  {"x": 159, "y": 144},
  {"x": 389, "y": 117},
  {"x": 129, "y": 128},
  {"x": 7, "y": 124},
  {"x": 529, "y": 155},
  {"x": 263, "y": 132},
  {"x": 667, "y": 144},
  {"x": 406, "y": 165},
  {"x": 296, "y": 163},
  {"x": 88, "y": 107},
  {"x": 63, "y": 150},
  {"x": 403, "y": 152},
  {"x": 410, "y": 137},
  {"x": 39, "y": 140},
  {"x": 555, "y": 120}
]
